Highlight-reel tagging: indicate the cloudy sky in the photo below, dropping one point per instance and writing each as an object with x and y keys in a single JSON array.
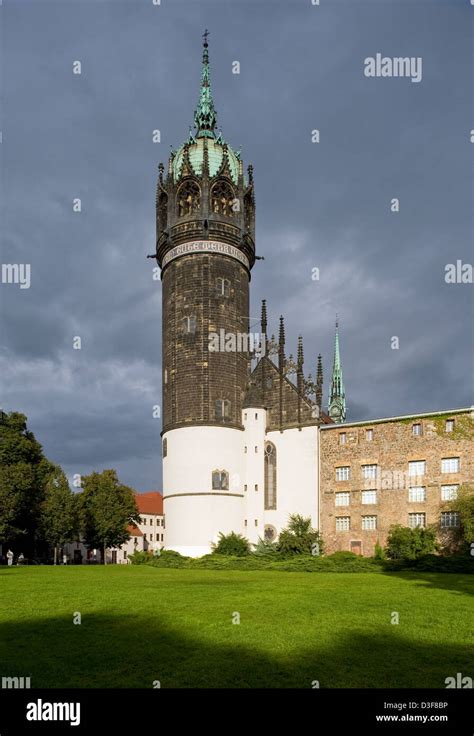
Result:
[{"x": 325, "y": 205}]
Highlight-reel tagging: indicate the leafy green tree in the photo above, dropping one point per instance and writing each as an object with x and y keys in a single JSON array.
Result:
[
  {"x": 410, "y": 544},
  {"x": 460, "y": 538},
  {"x": 231, "y": 544},
  {"x": 24, "y": 471},
  {"x": 58, "y": 516},
  {"x": 106, "y": 507},
  {"x": 300, "y": 538}
]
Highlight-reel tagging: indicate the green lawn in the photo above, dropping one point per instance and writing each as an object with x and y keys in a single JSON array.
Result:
[{"x": 141, "y": 624}]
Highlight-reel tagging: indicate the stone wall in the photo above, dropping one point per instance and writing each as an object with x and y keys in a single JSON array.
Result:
[{"x": 392, "y": 447}]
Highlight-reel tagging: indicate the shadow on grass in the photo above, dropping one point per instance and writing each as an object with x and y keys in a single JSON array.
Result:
[
  {"x": 459, "y": 583},
  {"x": 134, "y": 651}
]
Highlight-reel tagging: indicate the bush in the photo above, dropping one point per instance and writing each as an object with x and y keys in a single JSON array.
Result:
[
  {"x": 409, "y": 544},
  {"x": 169, "y": 558},
  {"x": 139, "y": 558},
  {"x": 300, "y": 538},
  {"x": 231, "y": 544},
  {"x": 432, "y": 563},
  {"x": 264, "y": 548},
  {"x": 379, "y": 554}
]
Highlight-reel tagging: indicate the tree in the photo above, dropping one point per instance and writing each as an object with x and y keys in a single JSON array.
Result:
[
  {"x": 58, "y": 516},
  {"x": 406, "y": 543},
  {"x": 24, "y": 471},
  {"x": 461, "y": 537},
  {"x": 106, "y": 507},
  {"x": 231, "y": 544},
  {"x": 299, "y": 537}
]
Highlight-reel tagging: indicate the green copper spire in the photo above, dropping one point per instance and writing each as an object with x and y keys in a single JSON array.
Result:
[
  {"x": 205, "y": 117},
  {"x": 337, "y": 395}
]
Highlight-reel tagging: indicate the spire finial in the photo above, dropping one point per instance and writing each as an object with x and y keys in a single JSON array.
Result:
[
  {"x": 205, "y": 117},
  {"x": 337, "y": 396}
]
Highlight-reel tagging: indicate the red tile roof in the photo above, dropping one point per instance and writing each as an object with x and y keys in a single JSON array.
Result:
[
  {"x": 150, "y": 503},
  {"x": 134, "y": 531}
]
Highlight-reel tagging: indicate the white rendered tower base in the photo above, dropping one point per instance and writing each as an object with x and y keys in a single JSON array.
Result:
[{"x": 195, "y": 514}]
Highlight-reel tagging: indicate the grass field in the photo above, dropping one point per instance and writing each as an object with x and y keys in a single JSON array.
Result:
[{"x": 141, "y": 624}]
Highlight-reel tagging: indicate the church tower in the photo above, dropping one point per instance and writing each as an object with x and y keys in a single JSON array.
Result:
[
  {"x": 205, "y": 231},
  {"x": 337, "y": 396}
]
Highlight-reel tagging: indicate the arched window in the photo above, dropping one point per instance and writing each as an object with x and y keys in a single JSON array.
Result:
[
  {"x": 222, "y": 409},
  {"x": 270, "y": 476},
  {"x": 165, "y": 447},
  {"x": 220, "y": 480},
  {"x": 223, "y": 199},
  {"x": 222, "y": 287},
  {"x": 189, "y": 325},
  {"x": 188, "y": 198},
  {"x": 270, "y": 533}
]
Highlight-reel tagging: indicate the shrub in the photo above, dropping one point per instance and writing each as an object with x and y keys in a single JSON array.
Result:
[
  {"x": 299, "y": 538},
  {"x": 432, "y": 563},
  {"x": 409, "y": 544},
  {"x": 139, "y": 558},
  {"x": 231, "y": 544},
  {"x": 264, "y": 548},
  {"x": 379, "y": 554},
  {"x": 169, "y": 558}
]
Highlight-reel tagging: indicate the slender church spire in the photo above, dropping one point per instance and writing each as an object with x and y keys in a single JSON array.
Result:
[
  {"x": 205, "y": 116},
  {"x": 337, "y": 395}
]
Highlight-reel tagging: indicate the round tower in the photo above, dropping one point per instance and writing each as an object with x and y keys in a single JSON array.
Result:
[{"x": 205, "y": 222}]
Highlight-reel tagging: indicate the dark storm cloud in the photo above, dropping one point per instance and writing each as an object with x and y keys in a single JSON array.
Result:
[{"x": 320, "y": 205}]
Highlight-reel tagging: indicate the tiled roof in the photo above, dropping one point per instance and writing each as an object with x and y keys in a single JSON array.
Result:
[
  {"x": 134, "y": 531},
  {"x": 150, "y": 503}
]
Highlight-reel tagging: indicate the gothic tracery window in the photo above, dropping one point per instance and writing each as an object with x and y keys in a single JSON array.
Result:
[
  {"x": 188, "y": 198},
  {"x": 270, "y": 476},
  {"x": 223, "y": 200},
  {"x": 220, "y": 480}
]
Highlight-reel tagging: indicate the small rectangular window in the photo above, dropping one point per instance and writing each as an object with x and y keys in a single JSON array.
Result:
[
  {"x": 416, "y": 468},
  {"x": 415, "y": 520},
  {"x": 245, "y": 522},
  {"x": 343, "y": 523},
  {"x": 343, "y": 473},
  {"x": 256, "y": 486},
  {"x": 369, "y": 435},
  {"x": 450, "y": 465},
  {"x": 369, "y": 472},
  {"x": 369, "y": 497},
  {"x": 450, "y": 519},
  {"x": 417, "y": 494},
  {"x": 245, "y": 487},
  {"x": 369, "y": 523},
  {"x": 256, "y": 448},
  {"x": 449, "y": 425},
  {"x": 342, "y": 499},
  {"x": 449, "y": 493},
  {"x": 342, "y": 438},
  {"x": 417, "y": 429},
  {"x": 256, "y": 522}
]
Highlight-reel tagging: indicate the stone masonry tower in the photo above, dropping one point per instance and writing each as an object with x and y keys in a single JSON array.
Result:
[{"x": 205, "y": 225}]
